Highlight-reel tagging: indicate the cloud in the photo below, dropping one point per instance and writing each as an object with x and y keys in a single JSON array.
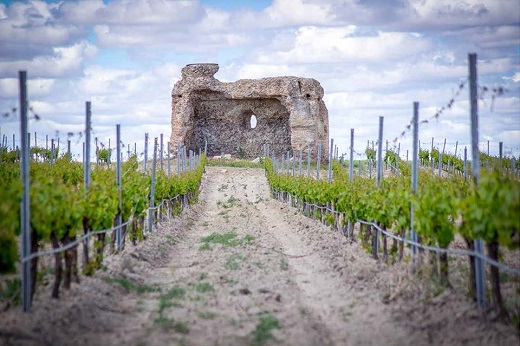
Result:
[
  {"x": 371, "y": 57},
  {"x": 64, "y": 61}
]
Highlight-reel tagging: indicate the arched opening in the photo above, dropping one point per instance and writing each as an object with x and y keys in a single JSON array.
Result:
[{"x": 252, "y": 121}]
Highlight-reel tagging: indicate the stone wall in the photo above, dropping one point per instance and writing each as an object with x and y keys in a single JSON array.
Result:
[{"x": 290, "y": 114}]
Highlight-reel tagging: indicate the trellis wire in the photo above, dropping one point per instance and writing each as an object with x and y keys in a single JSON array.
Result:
[{"x": 483, "y": 257}]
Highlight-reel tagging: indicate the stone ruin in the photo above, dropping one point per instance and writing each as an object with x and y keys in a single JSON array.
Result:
[{"x": 289, "y": 111}]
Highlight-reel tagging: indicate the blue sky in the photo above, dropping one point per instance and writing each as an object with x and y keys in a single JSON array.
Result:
[{"x": 373, "y": 58}]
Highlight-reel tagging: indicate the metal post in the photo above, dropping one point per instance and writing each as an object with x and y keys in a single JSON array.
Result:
[
  {"x": 46, "y": 142},
  {"x": 86, "y": 170},
  {"x": 300, "y": 164},
  {"x": 465, "y": 163},
  {"x": 69, "y": 157},
  {"x": 308, "y": 162},
  {"x": 35, "y": 140},
  {"x": 386, "y": 150},
  {"x": 178, "y": 159},
  {"x": 206, "y": 147},
  {"x": 480, "y": 273},
  {"x": 25, "y": 204},
  {"x": 168, "y": 159},
  {"x": 161, "y": 152},
  {"x": 329, "y": 175},
  {"x": 398, "y": 158},
  {"x": 152, "y": 189},
  {"x": 500, "y": 147},
  {"x": 293, "y": 163},
  {"x": 145, "y": 151},
  {"x": 351, "y": 159},
  {"x": 119, "y": 221},
  {"x": 380, "y": 152},
  {"x": 431, "y": 156},
  {"x": 415, "y": 175},
  {"x": 351, "y": 175},
  {"x": 53, "y": 148},
  {"x": 318, "y": 162}
]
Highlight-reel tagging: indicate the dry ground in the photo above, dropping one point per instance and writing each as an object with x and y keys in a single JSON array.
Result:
[{"x": 239, "y": 268}]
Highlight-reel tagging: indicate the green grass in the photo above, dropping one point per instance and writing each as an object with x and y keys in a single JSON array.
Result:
[
  {"x": 181, "y": 327},
  {"x": 11, "y": 290},
  {"x": 205, "y": 247},
  {"x": 227, "y": 239},
  {"x": 231, "y": 201},
  {"x": 233, "y": 163},
  {"x": 175, "y": 292},
  {"x": 248, "y": 239},
  {"x": 233, "y": 262},
  {"x": 130, "y": 286},
  {"x": 263, "y": 331},
  {"x": 169, "y": 324},
  {"x": 207, "y": 315},
  {"x": 203, "y": 287}
]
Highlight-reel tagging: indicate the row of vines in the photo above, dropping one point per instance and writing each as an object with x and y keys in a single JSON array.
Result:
[
  {"x": 444, "y": 207},
  {"x": 62, "y": 210}
]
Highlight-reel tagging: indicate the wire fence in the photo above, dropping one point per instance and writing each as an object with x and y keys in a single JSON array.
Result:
[{"x": 286, "y": 197}]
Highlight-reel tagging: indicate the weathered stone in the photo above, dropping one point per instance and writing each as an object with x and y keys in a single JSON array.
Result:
[{"x": 290, "y": 114}]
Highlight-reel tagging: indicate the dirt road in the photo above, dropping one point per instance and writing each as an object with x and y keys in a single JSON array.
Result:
[{"x": 239, "y": 268}]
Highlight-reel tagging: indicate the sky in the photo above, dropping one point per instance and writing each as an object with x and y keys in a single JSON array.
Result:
[{"x": 373, "y": 58}]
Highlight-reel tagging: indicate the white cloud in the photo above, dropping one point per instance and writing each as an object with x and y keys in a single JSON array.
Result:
[
  {"x": 63, "y": 61},
  {"x": 372, "y": 58}
]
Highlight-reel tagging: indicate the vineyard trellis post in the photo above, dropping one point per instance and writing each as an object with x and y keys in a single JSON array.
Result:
[
  {"x": 318, "y": 161},
  {"x": 331, "y": 152},
  {"x": 375, "y": 249},
  {"x": 178, "y": 159},
  {"x": 308, "y": 162},
  {"x": 431, "y": 157},
  {"x": 300, "y": 164},
  {"x": 168, "y": 159},
  {"x": 152, "y": 189},
  {"x": 119, "y": 187},
  {"x": 52, "y": 152},
  {"x": 500, "y": 147},
  {"x": 25, "y": 204},
  {"x": 415, "y": 176},
  {"x": 465, "y": 163},
  {"x": 145, "y": 151},
  {"x": 480, "y": 273},
  {"x": 386, "y": 150},
  {"x": 161, "y": 152},
  {"x": 293, "y": 162},
  {"x": 86, "y": 172},
  {"x": 69, "y": 157},
  {"x": 350, "y": 229}
]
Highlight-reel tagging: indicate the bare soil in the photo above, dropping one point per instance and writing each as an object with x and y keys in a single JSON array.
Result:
[{"x": 239, "y": 268}]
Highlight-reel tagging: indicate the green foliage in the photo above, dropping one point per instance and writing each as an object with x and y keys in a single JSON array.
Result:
[
  {"x": 264, "y": 330},
  {"x": 60, "y": 204},
  {"x": 489, "y": 212}
]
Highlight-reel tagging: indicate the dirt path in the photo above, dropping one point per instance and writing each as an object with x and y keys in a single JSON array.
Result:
[
  {"x": 245, "y": 272},
  {"x": 239, "y": 268}
]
